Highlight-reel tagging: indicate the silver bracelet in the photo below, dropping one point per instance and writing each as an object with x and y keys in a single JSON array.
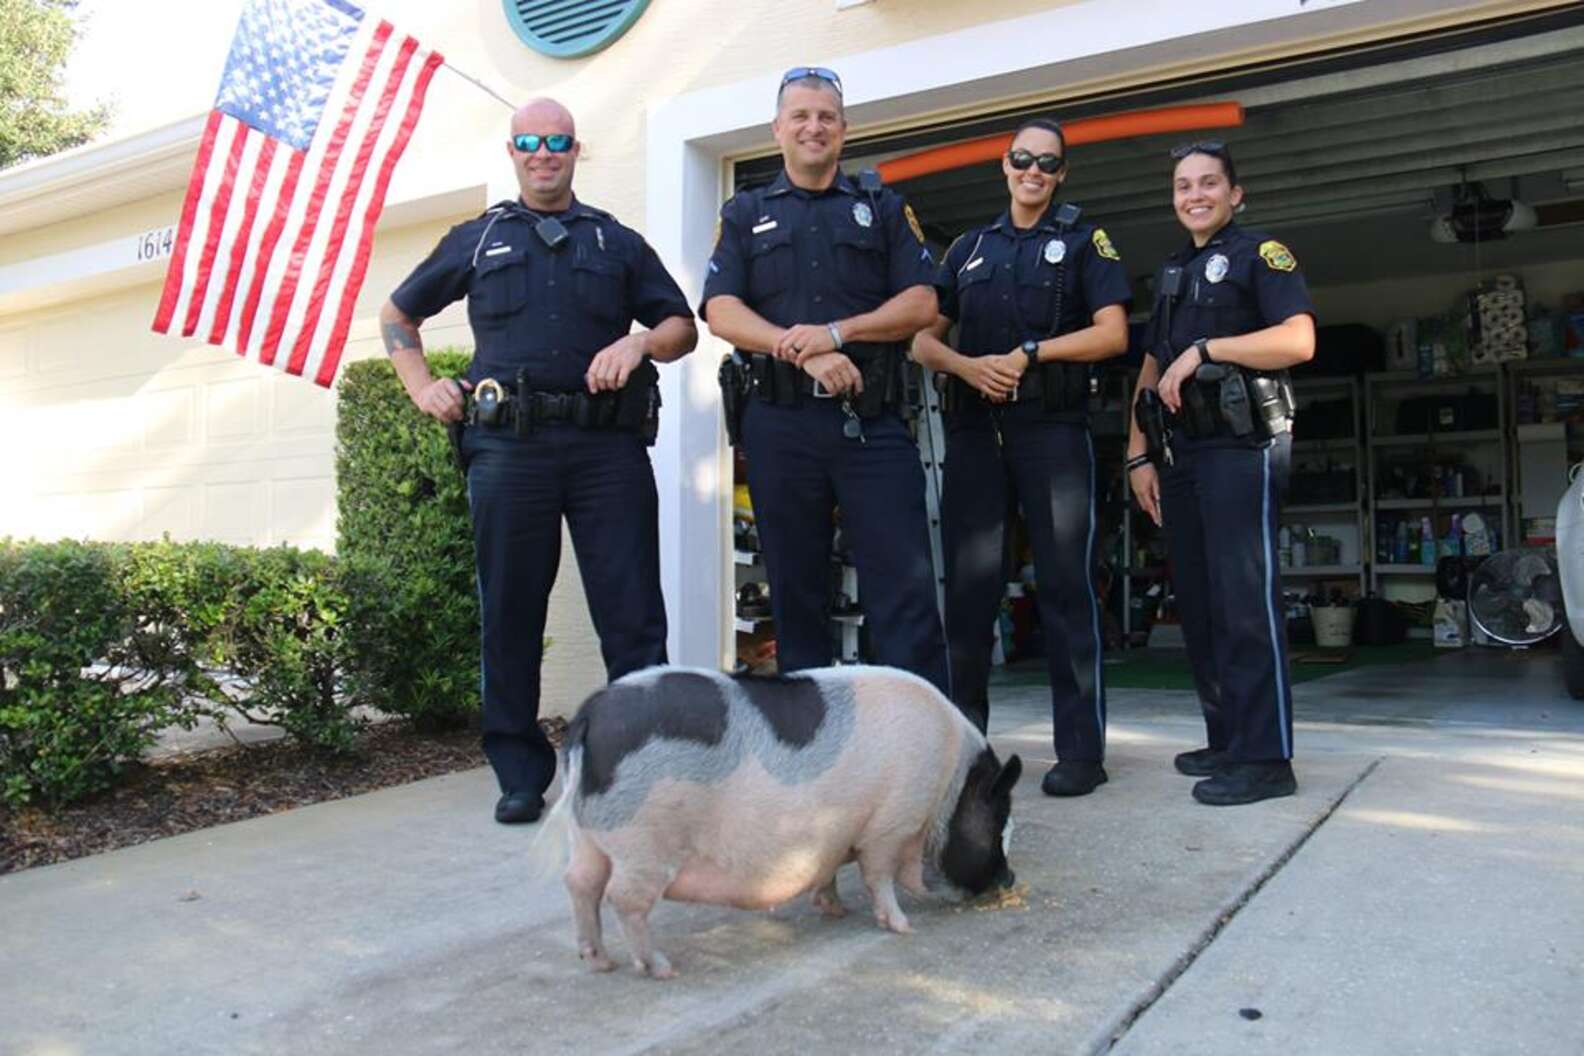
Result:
[{"x": 836, "y": 338}]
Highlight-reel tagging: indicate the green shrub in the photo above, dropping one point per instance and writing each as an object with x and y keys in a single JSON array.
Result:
[
  {"x": 252, "y": 633},
  {"x": 181, "y": 594},
  {"x": 103, "y": 645},
  {"x": 278, "y": 642},
  {"x": 406, "y": 549},
  {"x": 84, "y": 683}
]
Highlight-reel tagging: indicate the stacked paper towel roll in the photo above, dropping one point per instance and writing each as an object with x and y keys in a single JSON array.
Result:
[{"x": 1498, "y": 309}]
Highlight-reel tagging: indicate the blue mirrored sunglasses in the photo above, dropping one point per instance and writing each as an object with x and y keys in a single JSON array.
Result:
[
  {"x": 555, "y": 142},
  {"x": 798, "y": 73}
]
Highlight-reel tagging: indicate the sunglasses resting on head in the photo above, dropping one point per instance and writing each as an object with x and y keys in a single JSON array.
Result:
[
  {"x": 798, "y": 73},
  {"x": 1214, "y": 148}
]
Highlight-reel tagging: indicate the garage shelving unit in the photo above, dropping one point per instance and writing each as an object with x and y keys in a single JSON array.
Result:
[
  {"x": 1341, "y": 515},
  {"x": 1544, "y": 397},
  {"x": 1478, "y": 454}
]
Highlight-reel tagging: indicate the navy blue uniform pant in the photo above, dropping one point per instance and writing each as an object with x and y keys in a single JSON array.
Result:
[
  {"x": 800, "y": 467},
  {"x": 1220, "y": 506},
  {"x": 519, "y": 490},
  {"x": 996, "y": 462}
]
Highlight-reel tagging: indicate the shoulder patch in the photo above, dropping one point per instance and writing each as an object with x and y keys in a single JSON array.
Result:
[
  {"x": 1103, "y": 246},
  {"x": 918, "y": 232},
  {"x": 1277, "y": 256}
]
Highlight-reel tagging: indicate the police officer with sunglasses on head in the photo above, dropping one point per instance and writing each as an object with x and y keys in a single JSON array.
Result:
[
  {"x": 818, "y": 280},
  {"x": 558, "y": 405},
  {"x": 1037, "y": 296},
  {"x": 1208, "y": 456}
]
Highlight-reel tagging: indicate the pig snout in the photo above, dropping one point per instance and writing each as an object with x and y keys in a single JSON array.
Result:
[{"x": 1005, "y": 878}]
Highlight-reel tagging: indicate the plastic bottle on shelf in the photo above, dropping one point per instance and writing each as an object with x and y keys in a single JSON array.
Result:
[
  {"x": 1427, "y": 543},
  {"x": 1402, "y": 542},
  {"x": 1284, "y": 547}
]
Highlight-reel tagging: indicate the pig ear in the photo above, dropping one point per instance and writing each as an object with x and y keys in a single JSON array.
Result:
[{"x": 1006, "y": 779}]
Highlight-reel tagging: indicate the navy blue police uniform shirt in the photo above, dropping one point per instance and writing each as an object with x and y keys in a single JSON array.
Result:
[
  {"x": 798, "y": 256},
  {"x": 999, "y": 283},
  {"x": 547, "y": 310},
  {"x": 1238, "y": 282}
]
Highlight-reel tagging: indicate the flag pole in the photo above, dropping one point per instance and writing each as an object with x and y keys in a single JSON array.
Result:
[{"x": 469, "y": 77}]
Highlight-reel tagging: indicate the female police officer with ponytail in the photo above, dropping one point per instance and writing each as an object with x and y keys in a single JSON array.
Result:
[
  {"x": 1037, "y": 296},
  {"x": 1231, "y": 314}
]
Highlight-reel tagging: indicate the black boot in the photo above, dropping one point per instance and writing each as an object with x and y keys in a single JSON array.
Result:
[
  {"x": 1073, "y": 779},
  {"x": 517, "y": 808},
  {"x": 1201, "y": 762},
  {"x": 1237, "y": 783}
]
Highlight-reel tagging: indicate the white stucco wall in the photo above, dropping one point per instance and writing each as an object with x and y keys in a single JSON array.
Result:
[{"x": 165, "y": 435}]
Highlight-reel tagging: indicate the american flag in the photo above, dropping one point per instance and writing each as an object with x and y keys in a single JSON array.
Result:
[{"x": 315, "y": 107}]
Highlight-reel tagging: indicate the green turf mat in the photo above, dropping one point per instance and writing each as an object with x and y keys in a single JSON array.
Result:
[{"x": 1168, "y": 668}]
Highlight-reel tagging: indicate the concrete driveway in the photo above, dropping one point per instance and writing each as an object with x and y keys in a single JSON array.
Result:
[{"x": 1422, "y": 893}]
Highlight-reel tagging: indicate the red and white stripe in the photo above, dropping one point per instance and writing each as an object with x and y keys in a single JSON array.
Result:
[{"x": 273, "y": 242}]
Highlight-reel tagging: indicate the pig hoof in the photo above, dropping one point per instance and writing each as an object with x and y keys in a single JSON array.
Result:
[
  {"x": 659, "y": 968},
  {"x": 598, "y": 962},
  {"x": 830, "y": 907},
  {"x": 897, "y": 923}
]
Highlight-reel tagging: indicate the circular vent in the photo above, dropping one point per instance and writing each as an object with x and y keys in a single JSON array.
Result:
[{"x": 566, "y": 29}]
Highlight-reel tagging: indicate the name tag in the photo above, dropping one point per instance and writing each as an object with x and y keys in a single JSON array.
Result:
[
  {"x": 497, "y": 251},
  {"x": 768, "y": 225},
  {"x": 974, "y": 263}
]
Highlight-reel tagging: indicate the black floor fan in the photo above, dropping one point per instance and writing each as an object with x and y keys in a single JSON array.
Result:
[{"x": 1515, "y": 597}]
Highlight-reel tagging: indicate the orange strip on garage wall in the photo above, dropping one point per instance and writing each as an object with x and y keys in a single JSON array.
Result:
[{"x": 1084, "y": 130}]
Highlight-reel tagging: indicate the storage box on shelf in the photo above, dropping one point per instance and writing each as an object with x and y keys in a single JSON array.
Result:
[{"x": 1438, "y": 467}]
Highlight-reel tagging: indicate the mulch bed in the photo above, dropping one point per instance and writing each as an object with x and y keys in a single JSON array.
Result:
[{"x": 187, "y": 792}]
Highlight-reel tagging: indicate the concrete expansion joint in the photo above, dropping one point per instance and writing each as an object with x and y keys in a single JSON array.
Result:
[{"x": 1158, "y": 990}]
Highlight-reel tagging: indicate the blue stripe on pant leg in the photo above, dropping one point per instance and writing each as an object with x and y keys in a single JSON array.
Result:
[
  {"x": 1270, "y": 607},
  {"x": 1094, "y": 605},
  {"x": 478, "y": 588}
]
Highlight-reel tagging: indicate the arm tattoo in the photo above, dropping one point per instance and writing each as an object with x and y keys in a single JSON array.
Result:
[{"x": 400, "y": 336}]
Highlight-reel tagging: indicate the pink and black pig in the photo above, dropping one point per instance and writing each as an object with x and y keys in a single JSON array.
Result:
[{"x": 695, "y": 786}]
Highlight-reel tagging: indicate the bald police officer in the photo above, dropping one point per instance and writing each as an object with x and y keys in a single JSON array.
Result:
[
  {"x": 558, "y": 403},
  {"x": 818, "y": 280}
]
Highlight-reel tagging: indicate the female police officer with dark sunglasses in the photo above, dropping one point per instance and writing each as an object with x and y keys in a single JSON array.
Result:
[
  {"x": 1037, "y": 296},
  {"x": 1231, "y": 315}
]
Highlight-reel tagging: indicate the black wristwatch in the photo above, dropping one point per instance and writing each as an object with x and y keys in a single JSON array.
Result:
[
  {"x": 1031, "y": 350},
  {"x": 1203, "y": 345}
]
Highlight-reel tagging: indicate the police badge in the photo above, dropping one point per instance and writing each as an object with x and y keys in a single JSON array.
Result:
[
  {"x": 1055, "y": 251},
  {"x": 863, "y": 214},
  {"x": 1216, "y": 268}
]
